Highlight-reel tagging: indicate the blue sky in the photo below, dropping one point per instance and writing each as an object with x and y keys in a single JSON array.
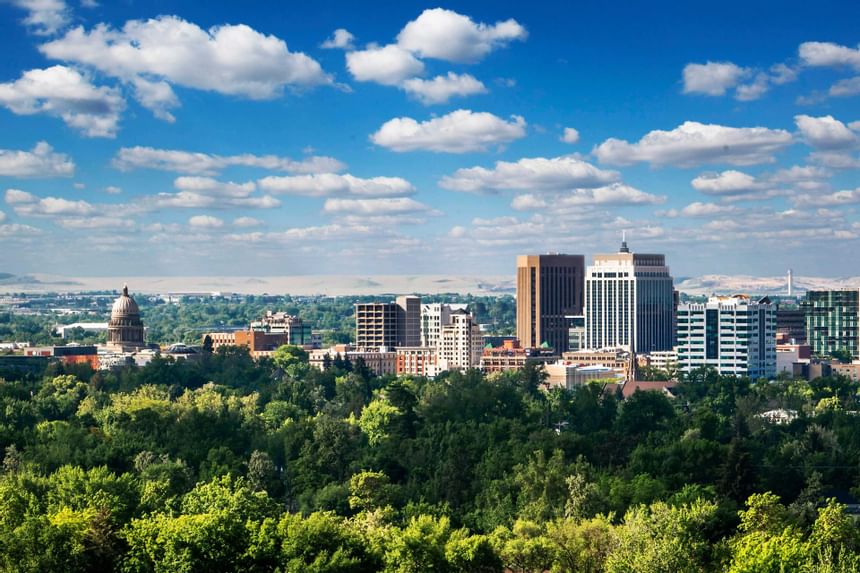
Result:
[{"x": 178, "y": 138}]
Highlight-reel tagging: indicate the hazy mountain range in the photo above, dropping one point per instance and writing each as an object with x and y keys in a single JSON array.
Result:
[{"x": 385, "y": 284}]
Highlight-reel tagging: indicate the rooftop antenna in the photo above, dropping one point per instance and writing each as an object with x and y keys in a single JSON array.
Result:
[{"x": 624, "y": 248}]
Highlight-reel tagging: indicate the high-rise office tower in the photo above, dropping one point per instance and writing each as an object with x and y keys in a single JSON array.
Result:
[
  {"x": 461, "y": 343},
  {"x": 549, "y": 288},
  {"x": 735, "y": 335},
  {"x": 629, "y": 302},
  {"x": 833, "y": 321}
]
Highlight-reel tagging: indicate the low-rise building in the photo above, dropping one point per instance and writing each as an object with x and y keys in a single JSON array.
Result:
[
  {"x": 71, "y": 354},
  {"x": 852, "y": 371},
  {"x": 380, "y": 361},
  {"x": 512, "y": 356},
  {"x": 616, "y": 358},
  {"x": 569, "y": 376},
  {"x": 787, "y": 355},
  {"x": 417, "y": 361}
]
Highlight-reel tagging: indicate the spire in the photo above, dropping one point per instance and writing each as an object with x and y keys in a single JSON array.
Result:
[
  {"x": 125, "y": 289},
  {"x": 624, "y": 248}
]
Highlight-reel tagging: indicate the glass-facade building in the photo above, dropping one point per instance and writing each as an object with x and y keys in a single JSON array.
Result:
[
  {"x": 734, "y": 335},
  {"x": 629, "y": 302},
  {"x": 833, "y": 321}
]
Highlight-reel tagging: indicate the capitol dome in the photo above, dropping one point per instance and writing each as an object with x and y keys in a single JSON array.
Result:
[
  {"x": 124, "y": 305},
  {"x": 125, "y": 329}
]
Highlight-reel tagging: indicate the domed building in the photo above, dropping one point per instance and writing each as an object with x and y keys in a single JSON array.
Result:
[{"x": 125, "y": 329}]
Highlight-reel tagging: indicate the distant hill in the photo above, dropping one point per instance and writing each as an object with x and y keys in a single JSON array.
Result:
[{"x": 745, "y": 284}]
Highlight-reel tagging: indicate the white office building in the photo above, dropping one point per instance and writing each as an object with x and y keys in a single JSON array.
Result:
[
  {"x": 735, "y": 335},
  {"x": 629, "y": 302}
]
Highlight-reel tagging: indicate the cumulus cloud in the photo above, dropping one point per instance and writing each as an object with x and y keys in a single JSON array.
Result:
[
  {"x": 442, "y": 88},
  {"x": 63, "y": 92},
  {"x": 693, "y": 143},
  {"x": 341, "y": 39},
  {"x": 530, "y": 174},
  {"x": 324, "y": 184},
  {"x": 614, "y": 194},
  {"x": 2, "y": 216},
  {"x": 42, "y": 161},
  {"x": 205, "y": 222},
  {"x": 712, "y": 78},
  {"x": 204, "y": 200},
  {"x": 460, "y": 131},
  {"x": 245, "y": 222},
  {"x": 837, "y": 199},
  {"x": 825, "y": 132},
  {"x": 570, "y": 135},
  {"x": 845, "y": 88},
  {"x": 730, "y": 182},
  {"x": 446, "y": 35},
  {"x": 178, "y": 161},
  {"x": 828, "y": 54},
  {"x": 436, "y": 33},
  {"x": 45, "y": 17},
  {"x": 97, "y": 222},
  {"x": 50, "y": 206},
  {"x": 836, "y": 159},
  {"x": 373, "y": 207},
  {"x": 18, "y": 231},
  {"x": 16, "y": 197},
  {"x": 210, "y": 186},
  {"x": 230, "y": 59},
  {"x": 387, "y": 65},
  {"x": 113, "y": 190}
]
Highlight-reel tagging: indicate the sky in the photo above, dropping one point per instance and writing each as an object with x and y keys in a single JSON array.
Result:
[{"x": 272, "y": 138}]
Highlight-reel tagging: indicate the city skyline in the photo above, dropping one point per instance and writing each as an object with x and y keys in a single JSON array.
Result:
[{"x": 328, "y": 139}]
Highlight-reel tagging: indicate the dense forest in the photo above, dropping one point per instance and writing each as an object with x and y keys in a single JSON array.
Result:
[
  {"x": 228, "y": 464},
  {"x": 186, "y": 322}
]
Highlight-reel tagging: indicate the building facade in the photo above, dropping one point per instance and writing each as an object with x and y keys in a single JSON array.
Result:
[
  {"x": 512, "y": 356},
  {"x": 735, "y": 335},
  {"x": 388, "y": 324},
  {"x": 629, "y": 302},
  {"x": 549, "y": 289},
  {"x": 417, "y": 361},
  {"x": 433, "y": 318},
  {"x": 833, "y": 321},
  {"x": 791, "y": 325},
  {"x": 461, "y": 344}
]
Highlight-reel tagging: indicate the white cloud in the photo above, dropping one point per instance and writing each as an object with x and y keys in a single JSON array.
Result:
[
  {"x": 825, "y": 132},
  {"x": 570, "y": 135},
  {"x": 63, "y": 92},
  {"x": 247, "y": 222},
  {"x": 209, "y": 186},
  {"x": 204, "y": 200},
  {"x": 341, "y": 39},
  {"x": 205, "y": 222},
  {"x": 457, "y": 232},
  {"x": 530, "y": 174},
  {"x": 372, "y": 207},
  {"x": 50, "y": 206},
  {"x": 97, "y": 222},
  {"x": 699, "y": 209},
  {"x": 614, "y": 194},
  {"x": 836, "y": 159},
  {"x": 694, "y": 143},
  {"x": 45, "y": 17},
  {"x": 17, "y": 231},
  {"x": 178, "y": 161},
  {"x": 442, "y": 88},
  {"x": 324, "y": 184},
  {"x": 846, "y": 88},
  {"x": 388, "y": 65},
  {"x": 113, "y": 190},
  {"x": 17, "y": 197},
  {"x": 40, "y": 162},
  {"x": 2, "y": 216},
  {"x": 460, "y": 131},
  {"x": 730, "y": 182},
  {"x": 837, "y": 199},
  {"x": 828, "y": 54},
  {"x": 228, "y": 59},
  {"x": 446, "y": 35},
  {"x": 712, "y": 78}
]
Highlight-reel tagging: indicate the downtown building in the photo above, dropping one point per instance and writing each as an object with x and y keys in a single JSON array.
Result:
[
  {"x": 833, "y": 321},
  {"x": 629, "y": 302},
  {"x": 734, "y": 335},
  {"x": 388, "y": 324},
  {"x": 549, "y": 293}
]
